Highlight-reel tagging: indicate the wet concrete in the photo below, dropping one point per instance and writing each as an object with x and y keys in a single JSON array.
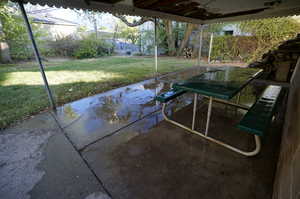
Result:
[
  {"x": 66, "y": 174},
  {"x": 37, "y": 161},
  {"x": 168, "y": 162},
  {"x": 95, "y": 117}
]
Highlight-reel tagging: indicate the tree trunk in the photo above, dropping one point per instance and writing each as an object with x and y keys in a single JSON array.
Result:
[
  {"x": 170, "y": 37},
  {"x": 196, "y": 52},
  {"x": 176, "y": 34},
  {"x": 188, "y": 31},
  {"x": 95, "y": 26},
  {"x": 4, "y": 48},
  {"x": 116, "y": 29}
]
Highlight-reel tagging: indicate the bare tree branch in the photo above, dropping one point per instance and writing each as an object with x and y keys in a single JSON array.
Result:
[{"x": 134, "y": 23}]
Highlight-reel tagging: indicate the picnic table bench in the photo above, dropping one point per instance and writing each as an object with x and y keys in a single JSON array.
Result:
[
  {"x": 259, "y": 116},
  {"x": 255, "y": 121}
]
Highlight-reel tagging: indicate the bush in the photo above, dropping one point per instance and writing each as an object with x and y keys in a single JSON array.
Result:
[
  {"x": 90, "y": 47},
  {"x": 20, "y": 50},
  {"x": 233, "y": 47},
  {"x": 269, "y": 33},
  {"x": 64, "y": 46},
  {"x": 87, "y": 47},
  {"x": 139, "y": 54}
]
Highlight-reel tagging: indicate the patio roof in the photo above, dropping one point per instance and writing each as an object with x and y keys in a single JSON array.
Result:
[{"x": 193, "y": 11}]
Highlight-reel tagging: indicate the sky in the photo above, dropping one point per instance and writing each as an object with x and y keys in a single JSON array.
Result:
[{"x": 105, "y": 20}]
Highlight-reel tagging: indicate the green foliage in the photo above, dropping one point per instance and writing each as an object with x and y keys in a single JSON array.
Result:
[
  {"x": 15, "y": 33},
  {"x": 269, "y": 33},
  {"x": 233, "y": 47},
  {"x": 147, "y": 42},
  {"x": 130, "y": 34},
  {"x": 64, "y": 46},
  {"x": 90, "y": 47},
  {"x": 266, "y": 34}
]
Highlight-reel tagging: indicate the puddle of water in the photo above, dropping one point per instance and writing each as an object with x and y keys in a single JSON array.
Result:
[
  {"x": 100, "y": 115},
  {"x": 72, "y": 111},
  {"x": 115, "y": 109}
]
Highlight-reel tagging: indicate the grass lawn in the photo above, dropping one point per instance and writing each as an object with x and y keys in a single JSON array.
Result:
[{"x": 22, "y": 91}]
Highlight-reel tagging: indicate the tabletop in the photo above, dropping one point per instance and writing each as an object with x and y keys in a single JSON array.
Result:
[{"x": 219, "y": 82}]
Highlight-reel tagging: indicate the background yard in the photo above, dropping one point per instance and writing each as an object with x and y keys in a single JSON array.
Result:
[
  {"x": 22, "y": 91},
  {"x": 92, "y": 52}
]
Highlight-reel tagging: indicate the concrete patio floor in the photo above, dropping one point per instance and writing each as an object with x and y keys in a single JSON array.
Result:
[{"x": 116, "y": 145}]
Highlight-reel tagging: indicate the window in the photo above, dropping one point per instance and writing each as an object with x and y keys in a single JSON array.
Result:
[{"x": 228, "y": 32}]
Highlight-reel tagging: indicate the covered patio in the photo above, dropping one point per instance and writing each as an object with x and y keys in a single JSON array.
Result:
[{"x": 117, "y": 145}]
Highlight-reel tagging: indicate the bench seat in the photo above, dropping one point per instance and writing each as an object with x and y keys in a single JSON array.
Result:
[
  {"x": 169, "y": 95},
  {"x": 260, "y": 115}
]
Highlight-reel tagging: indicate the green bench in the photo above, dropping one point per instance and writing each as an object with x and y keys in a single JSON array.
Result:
[
  {"x": 169, "y": 95},
  {"x": 259, "y": 116}
]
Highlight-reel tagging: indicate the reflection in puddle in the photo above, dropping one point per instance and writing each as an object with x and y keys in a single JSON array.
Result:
[{"x": 94, "y": 117}]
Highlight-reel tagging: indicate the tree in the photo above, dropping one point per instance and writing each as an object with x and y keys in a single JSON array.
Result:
[
  {"x": 188, "y": 31},
  {"x": 4, "y": 47},
  {"x": 14, "y": 32},
  {"x": 170, "y": 37},
  {"x": 93, "y": 18},
  {"x": 130, "y": 34}
]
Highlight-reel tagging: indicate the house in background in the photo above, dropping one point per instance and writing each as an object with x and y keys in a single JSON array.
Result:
[
  {"x": 233, "y": 30},
  {"x": 125, "y": 48},
  {"x": 50, "y": 20}
]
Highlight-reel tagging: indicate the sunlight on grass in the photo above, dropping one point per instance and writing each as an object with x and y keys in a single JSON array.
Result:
[
  {"x": 56, "y": 78},
  {"x": 22, "y": 89}
]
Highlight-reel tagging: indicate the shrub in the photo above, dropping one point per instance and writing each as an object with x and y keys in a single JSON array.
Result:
[
  {"x": 269, "y": 33},
  {"x": 64, "y": 46},
  {"x": 20, "y": 50},
  {"x": 139, "y": 54},
  {"x": 233, "y": 47},
  {"x": 90, "y": 47}
]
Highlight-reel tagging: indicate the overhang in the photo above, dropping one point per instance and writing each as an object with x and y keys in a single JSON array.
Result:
[{"x": 193, "y": 11}]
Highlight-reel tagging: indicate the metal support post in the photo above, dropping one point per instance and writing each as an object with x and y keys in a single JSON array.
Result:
[
  {"x": 238, "y": 97},
  {"x": 194, "y": 110},
  {"x": 200, "y": 45},
  {"x": 37, "y": 55},
  {"x": 155, "y": 45},
  {"x": 210, "y": 47},
  {"x": 208, "y": 115}
]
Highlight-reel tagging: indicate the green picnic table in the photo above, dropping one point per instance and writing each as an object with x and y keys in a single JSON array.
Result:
[{"x": 222, "y": 84}]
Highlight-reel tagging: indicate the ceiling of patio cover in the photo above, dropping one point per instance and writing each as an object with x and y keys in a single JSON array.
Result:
[{"x": 193, "y": 11}]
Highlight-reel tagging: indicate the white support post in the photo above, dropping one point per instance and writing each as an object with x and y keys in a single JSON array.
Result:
[
  {"x": 208, "y": 115},
  {"x": 155, "y": 56},
  {"x": 200, "y": 45},
  {"x": 37, "y": 55},
  {"x": 194, "y": 110},
  {"x": 155, "y": 46},
  {"x": 210, "y": 46}
]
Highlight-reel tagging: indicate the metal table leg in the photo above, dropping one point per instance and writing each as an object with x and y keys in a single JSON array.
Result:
[
  {"x": 208, "y": 115},
  {"x": 232, "y": 148},
  {"x": 194, "y": 110}
]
